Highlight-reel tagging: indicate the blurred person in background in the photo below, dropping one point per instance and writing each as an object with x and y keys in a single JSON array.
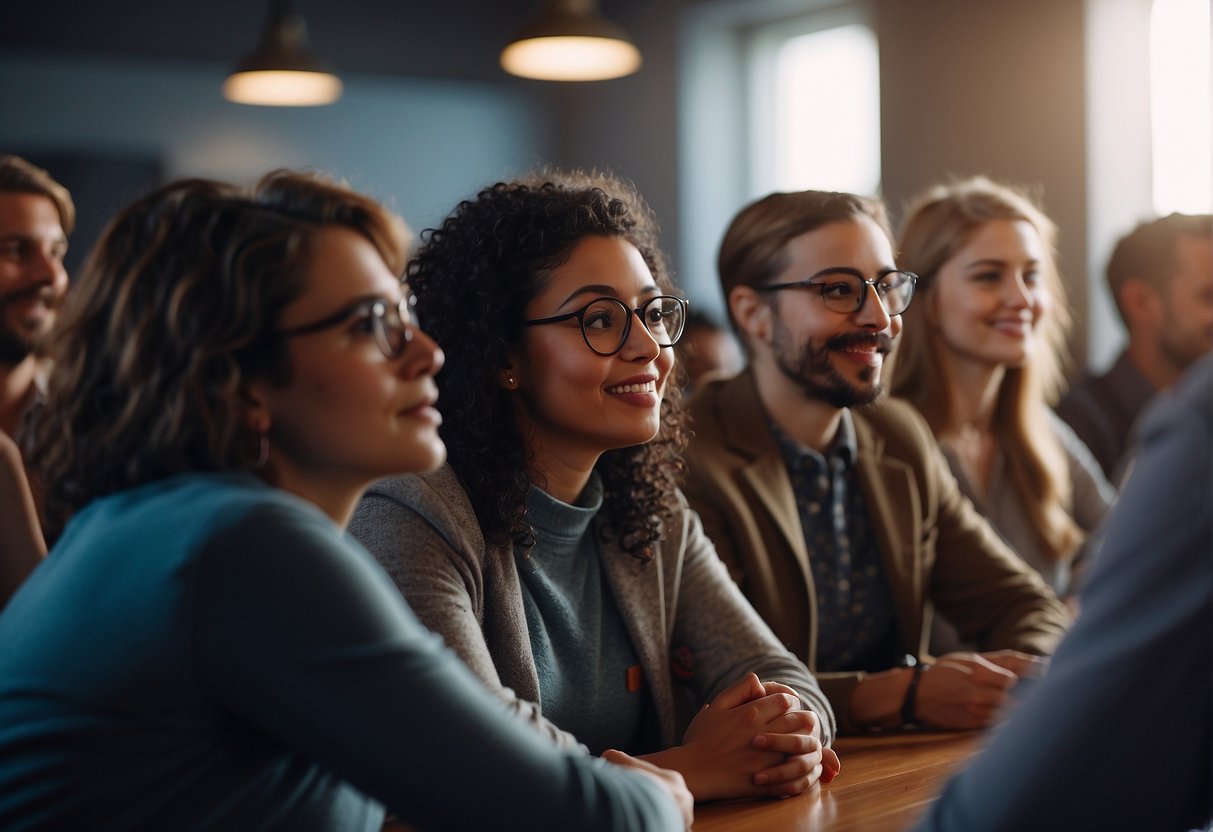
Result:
[
  {"x": 36, "y": 217},
  {"x": 1161, "y": 278}
]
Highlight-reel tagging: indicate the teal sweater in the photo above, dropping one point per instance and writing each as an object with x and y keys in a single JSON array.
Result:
[
  {"x": 208, "y": 652},
  {"x": 578, "y": 639}
]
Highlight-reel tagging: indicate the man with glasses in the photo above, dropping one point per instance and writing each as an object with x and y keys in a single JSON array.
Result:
[{"x": 836, "y": 513}]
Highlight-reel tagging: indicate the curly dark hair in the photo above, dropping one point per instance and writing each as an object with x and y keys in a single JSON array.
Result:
[
  {"x": 175, "y": 310},
  {"x": 473, "y": 278}
]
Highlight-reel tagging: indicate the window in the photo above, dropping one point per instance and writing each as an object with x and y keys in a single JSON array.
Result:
[
  {"x": 1180, "y": 98},
  {"x": 814, "y": 107}
]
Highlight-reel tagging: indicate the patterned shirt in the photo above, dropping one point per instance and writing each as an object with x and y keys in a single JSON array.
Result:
[{"x": 856, "y": 627}]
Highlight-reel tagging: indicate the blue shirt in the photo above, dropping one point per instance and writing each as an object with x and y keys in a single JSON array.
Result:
[{"x": 207, "y": 652}]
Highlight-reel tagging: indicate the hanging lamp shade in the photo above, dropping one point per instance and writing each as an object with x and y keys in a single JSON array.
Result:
[
  {"x": 283, "y": 71},
  {"x": 570, "y": 41}
]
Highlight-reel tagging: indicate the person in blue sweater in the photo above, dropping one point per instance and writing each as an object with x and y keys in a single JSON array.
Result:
[{"x": 204, "y": 648}]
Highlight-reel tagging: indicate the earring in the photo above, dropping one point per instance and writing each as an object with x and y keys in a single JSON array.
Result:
[
  {"x": 263, "y": 450},
  {"x": 511, "y": 383}
]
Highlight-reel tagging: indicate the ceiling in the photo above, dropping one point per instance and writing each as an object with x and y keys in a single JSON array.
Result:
[{"x": 456, "y": 39}]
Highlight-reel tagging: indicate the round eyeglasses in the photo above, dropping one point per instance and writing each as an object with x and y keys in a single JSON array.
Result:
[
  {"x": 845, "y": 290},
  {"x": 392, "y": 324},
  {"x": 606, "y": 322}
]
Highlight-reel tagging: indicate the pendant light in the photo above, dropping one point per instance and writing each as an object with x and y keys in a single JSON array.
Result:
[
  {"x": 283, "y": 72},
  {"x": 570, "y": 41}
]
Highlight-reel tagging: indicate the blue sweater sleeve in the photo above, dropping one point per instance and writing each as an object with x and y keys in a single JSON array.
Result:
[
  {"x": 1117, "y": 736},
  {"x": 299, "y": 632}
]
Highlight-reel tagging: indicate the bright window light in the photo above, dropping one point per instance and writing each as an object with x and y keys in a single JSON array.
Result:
[
  {"x": 1180, "y": 104},
  {"x": 825, "y": 108}
]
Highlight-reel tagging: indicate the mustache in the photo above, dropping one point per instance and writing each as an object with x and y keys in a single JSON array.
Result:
[
  {"x": 44, "y": 292},
  {"x": 883, "y": 343}
]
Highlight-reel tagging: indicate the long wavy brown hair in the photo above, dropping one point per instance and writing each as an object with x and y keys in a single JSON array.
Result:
[
  {"x": 938, "y": 223},
  {"x": 175, "y": 310},
  {"x": 473, "y": 278}
]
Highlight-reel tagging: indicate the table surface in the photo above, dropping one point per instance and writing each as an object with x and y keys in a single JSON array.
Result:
[{"x": 887, "y": 781}]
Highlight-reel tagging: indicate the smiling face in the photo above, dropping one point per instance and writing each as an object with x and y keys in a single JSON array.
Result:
[
  {"x": 571, "y": 403},
  {"x": 33, "y": 280},
  {"x": 987, "y": 301},
  {"x": 348, "y": 415},
  {"x": 835, "y": 357}
]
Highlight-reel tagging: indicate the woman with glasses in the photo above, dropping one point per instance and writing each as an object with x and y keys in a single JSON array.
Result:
[
  {"x": 555, "y": 553},
  {"x": 982, "y": 356},
  {"x": 203, "y": 647}
]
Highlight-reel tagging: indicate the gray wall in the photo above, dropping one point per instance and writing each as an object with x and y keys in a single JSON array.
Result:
[{"x": 418, "y": 145}]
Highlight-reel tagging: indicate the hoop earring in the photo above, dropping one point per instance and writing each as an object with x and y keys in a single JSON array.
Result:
[{"x": 263, "y": 450}]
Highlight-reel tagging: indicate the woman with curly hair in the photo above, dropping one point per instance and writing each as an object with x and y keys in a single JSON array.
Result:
[
  {"x": 203, "y": 647},
  {"x": 982, "y": 356},
  {"x": 555, "y": 553}
]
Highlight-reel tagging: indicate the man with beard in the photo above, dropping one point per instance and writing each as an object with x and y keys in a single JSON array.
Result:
[
  {"x": 36, "y": 215},
  {"x": 835, "y": 512},
  {"x": 1161, "y": 277}
]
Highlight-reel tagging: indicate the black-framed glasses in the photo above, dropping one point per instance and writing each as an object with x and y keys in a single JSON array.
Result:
[
  {"x": 845, "y": 290},
  {"x": 606, "y": 322},
  {"x": 391, "y": 324}
]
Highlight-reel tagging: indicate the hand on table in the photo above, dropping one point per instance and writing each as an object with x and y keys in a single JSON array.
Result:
[
  {"x": 670, "y": 780},
  {"x": 970, "y": 690}
]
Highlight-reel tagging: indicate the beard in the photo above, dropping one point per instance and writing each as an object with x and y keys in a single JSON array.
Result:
[
  {"x": 18, "y": 340},
  {"x": 813, "y": 373},
  {"x": 1183, "y": 349}
]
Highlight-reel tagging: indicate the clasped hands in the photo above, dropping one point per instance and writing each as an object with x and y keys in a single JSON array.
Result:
[
  {"x": 972, "y": 690},
  {"x": 753, "y": 740}
]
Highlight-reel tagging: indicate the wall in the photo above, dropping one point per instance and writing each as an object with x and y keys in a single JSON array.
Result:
[
  {"x": 993, "y": 88},
  {"x": 418, "y": 145}
]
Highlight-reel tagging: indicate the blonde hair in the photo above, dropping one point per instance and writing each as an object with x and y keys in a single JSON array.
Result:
[{"x": 939, "y": 222}]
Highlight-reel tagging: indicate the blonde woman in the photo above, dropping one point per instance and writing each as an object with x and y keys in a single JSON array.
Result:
[{"x": 982, "y": 355}]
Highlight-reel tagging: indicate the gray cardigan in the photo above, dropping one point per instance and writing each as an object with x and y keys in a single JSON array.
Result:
[{"x": 423, "y": 530}]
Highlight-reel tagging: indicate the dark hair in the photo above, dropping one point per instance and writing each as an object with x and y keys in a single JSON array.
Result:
[
  {"x": 754, "y": 247},
  {"x": 18, "y": 176},
  {"x": 473, "y": 278},
  {"x": 1148, "y": 252},
  {"x": 174, "y": 310}
]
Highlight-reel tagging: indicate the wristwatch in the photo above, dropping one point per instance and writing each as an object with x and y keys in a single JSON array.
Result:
[{"x": 909, "y": 714}]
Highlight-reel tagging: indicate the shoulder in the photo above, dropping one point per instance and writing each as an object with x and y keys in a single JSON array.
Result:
[
  {"x": 894, "y": 427},
  {"x": 437, "y": 499},
  {"x": 207, "y": 503},
  {"x": 712, "y": 405},
  {"x": 1075, "y": 449}
]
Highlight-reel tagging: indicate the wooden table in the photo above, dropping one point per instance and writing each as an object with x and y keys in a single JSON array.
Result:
[{"x": 886, "y": 783}]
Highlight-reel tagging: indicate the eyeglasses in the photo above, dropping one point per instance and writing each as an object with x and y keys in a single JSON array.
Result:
[
  {"x": 606, "y": 322},
  {"x": 845, "y": 290},
  {"x": 392, "y": 324}
]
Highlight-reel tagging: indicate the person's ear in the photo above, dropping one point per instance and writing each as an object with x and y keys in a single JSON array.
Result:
[
  {"x": 508, "y": 376},
  {"x": 751, "y": 312},
  {"x": 256, "y": 417}
]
